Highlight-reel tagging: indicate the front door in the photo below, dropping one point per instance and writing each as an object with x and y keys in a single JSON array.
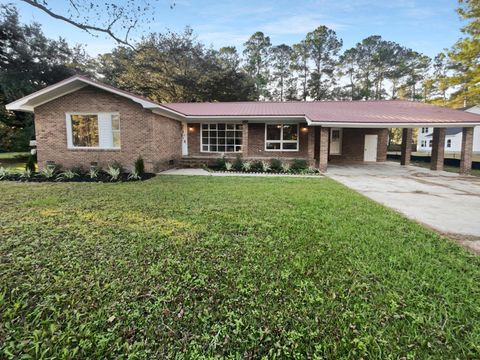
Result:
[
  {"x": 184, "y": 139},
  {"x": 370, "y": 151}
]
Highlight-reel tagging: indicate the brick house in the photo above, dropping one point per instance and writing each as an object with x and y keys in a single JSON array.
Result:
[{"x": 80, "y": 122}]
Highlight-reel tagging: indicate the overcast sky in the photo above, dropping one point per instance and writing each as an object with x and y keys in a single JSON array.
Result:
[{"x": 427, "y": 26}]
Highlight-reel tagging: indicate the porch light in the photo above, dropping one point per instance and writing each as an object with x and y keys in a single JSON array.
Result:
[
  {"x": 304, "y": 128},
  {"x": 191, "y": 128}
]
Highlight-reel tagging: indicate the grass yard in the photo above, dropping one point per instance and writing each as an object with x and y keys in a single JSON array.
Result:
[{"x": 226, "y": 266}]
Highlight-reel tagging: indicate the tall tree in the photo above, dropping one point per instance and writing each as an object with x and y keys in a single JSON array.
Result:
[
  {"x": 116, "y": 19},
  {"x": 282, "y": 70},
  {"x": 301, "y": 54},
  {"x": 324, "y": 46},
  {"x": 257, "y": 58},
  {"x": 177, "y": 67},
  {"x": 465, "y": 57},
  {"x": 28, "y": 62}
]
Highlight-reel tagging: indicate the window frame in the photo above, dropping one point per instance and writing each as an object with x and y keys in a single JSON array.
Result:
[
  {"x": 99, "y": 115},
  {"x": 281, "y": 141},
  {"x": 209, "y": 142}
]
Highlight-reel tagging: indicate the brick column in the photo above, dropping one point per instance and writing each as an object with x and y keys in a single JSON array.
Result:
[
  {"x": 406, "y": 147},
  {"x": 438, "y": 149},
  {"x": 245, "y": 139},
  {"x": 322, "y": 160},
  {"x": 382, "y": 145},
  {"x": 311, "y": 144},
  {"x": 467, "y": 148}
]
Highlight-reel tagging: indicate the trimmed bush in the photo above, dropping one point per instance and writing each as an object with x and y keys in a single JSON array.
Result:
[
  {"x": 219, "y": 164},
  {"x": 247, "y": 166},
  {"x": 228, "y": 166},
  {"x": 256, "y": 166},
  {"x": 276, "y": 165},
  {"x": 139, "y": 167},
  {"x": 30, "y": 165},
  {"x": 298, "y": 166},
  {"x": 238, "y": 164}
]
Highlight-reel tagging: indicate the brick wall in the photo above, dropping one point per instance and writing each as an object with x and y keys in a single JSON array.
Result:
[
  {"x": 353, "y": 142},
  {"x": 157, "y": 139},
  {"x": 256, "y": 143}
]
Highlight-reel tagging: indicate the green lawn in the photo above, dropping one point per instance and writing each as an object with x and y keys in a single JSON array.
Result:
[
  {"x": 14, "y": 160},
  {"x": 238, "y": 267}
]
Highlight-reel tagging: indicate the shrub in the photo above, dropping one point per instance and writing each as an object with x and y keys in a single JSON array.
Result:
[
  {"x": 257, "y": 166},
  {"x": 67, "y": 175},
  {"x": 238, "y": 164},
  {"x": 139, "y": 167},
  {"x": 247, "y": 165},
  {"x": 134, "y": 175},
  {"x": 313, "y": 170},
  {"x": 219, "y": 164},
  {"x": 4, "y": 173},
  {"x": 265, "y": 166},
  {"x": 48, "y": 172},
  {"x": 276, "y": 165},
  {"x": 113, "y": 172},
  {"x": 26, "y": 175},
  {"x": 93, "y": 172},
  {"x": 30, "y": 165},
  {"x": 228, "y": 166},
  {"x": 298, "y": 166},
  {"x": 286, "y": 168}
]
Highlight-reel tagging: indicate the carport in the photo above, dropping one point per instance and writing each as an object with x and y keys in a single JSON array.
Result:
[{"x": 357, "y": 131}]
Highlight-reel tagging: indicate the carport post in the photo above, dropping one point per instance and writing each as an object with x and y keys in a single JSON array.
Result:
[
  {"x": 467, "y": 148},
  {"x": 406, "y": 146},
  {"x": 322, "y": 160},
  {"x": 438, "y": 149}
]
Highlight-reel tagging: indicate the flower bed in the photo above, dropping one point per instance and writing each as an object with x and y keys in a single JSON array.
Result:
[
  {"x": 273, "y": 166},
  {"x": 113, "y": 173}
]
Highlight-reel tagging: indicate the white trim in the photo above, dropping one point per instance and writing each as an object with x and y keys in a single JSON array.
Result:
[
  {"x": 281, "y": 141},
  {"x": 390, "y": 125},
  {"x": 220, "y": 152},
  {"x": 68, "y": 122}
]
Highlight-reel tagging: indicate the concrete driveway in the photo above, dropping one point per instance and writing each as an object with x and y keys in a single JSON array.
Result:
[{"x": 447, "y": 202}]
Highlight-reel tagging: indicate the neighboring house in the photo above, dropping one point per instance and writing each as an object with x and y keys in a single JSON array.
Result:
[
  {"x": 82, "y": 122},
  {"x": 453, "y": 136}
]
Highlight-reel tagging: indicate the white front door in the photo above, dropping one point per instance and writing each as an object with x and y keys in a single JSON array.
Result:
[
  {"x": 335, "y": 141},
  {"x": 184, "y": 139},
  {"x": 370, "y": 151}
]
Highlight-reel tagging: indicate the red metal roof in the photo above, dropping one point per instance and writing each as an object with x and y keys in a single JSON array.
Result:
[{"x": 381, "y": 111}]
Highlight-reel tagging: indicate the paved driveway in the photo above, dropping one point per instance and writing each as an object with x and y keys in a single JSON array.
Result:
[{"x": 447, "y": 202}]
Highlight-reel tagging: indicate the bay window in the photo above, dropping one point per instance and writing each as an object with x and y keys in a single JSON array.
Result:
[
  {"x": 93, "y": 130},
  {"x": 281, "y": 137}
]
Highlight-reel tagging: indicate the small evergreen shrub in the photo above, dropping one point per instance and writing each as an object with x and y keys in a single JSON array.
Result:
[
  {"x": 238, "y": 164},
  {"x": 276, "y": 165},
  {"x": 30, "y": 165},
  {"x": 67, "y": 175},
  {"x": 228, "y": 166},
  {"x": 134, "y": 175},
  {"x": 247, "y": 165},
  {"x": 93, "y": 172},
  {"x": 113, "y": 172},
  {"x": 48, "y": 172},
  {"x": 4, "y": 173},
  {"x": 298, "y": 166},
  {"x": 219, "y": 164},
  {"x": 265, "y": 166},
  {"x": 286, "y": 168},
  {"x": 256, "y": 166},
  {"x": 139, "y": 167}
]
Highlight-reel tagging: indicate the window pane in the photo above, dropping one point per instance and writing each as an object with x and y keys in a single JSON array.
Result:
[
  {"x": 221, "y": 148},
  {"x": 335, "y": 135},
  {"x": 230, "y": 148},
  {"x": 205, "y": 140},
  {"x": 238, "y": 127},
  {"x": 238, "y": 148},
  {"x": 221, "y": 126},
  {"x": 85, "y": 130},
  {"x": 221, "y": 141},
  {"x": 213, "y": 126},
  {"x": 116, "y": 138},
  {"x": 213, "y": 141},
  {"x": 231, "y": 134},
  {"x": 115, "y": 122},
  {"x": 273, "y": 132},
  {"x": 290, "y": 146},
  {"x": 290, "y": 132},
  {"x": 205, "y": 133},
  {"x": 273, "y": 146},
  {"x": 213, "y": 147},
  {"x": 205, "y": 148},
  {"x": 221, "y": 134},
  {"x": 204, "y": 126},
  {"x": 230, "y": 126},
  {"x": 230, "y": 141}
]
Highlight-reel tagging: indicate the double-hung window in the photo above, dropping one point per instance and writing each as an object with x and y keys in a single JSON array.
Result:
[
  {"x": 281, "y": 137},
  {"x": 93, "y": 130},
  {"x": 221, "y": 137}
]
